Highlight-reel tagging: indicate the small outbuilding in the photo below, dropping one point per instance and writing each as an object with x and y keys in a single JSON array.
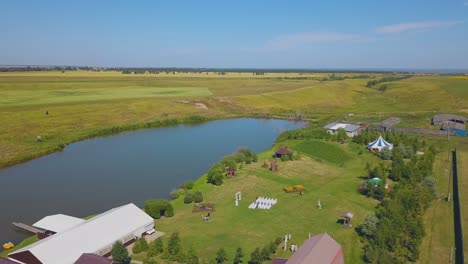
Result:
[
  {"x": 230, "y": 172},
  {"x": 282, "y": 151},
  {"x": 350, "y": 129},
  {"x": 387, "y": 124},
  {"x": 439, "y": 120},
  {"x": 319, "y": 249}
]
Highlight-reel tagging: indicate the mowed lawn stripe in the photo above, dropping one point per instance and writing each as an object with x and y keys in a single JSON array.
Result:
[
  {"x": 323, "y": 151},
  {"x": 9, "y": 98}
]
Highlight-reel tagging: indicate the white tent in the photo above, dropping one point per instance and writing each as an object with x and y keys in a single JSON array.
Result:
[{"x": 379, "y": 144}]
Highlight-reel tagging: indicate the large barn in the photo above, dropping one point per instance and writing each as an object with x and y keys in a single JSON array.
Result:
[{"x": 96, "y": 236}]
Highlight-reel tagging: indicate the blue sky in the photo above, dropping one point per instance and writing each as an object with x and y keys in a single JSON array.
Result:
[{"x": 246, "y": 34}]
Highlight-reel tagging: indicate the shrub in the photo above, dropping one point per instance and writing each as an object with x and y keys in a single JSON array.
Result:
[
  {"x": 188, "y": 185},
  {"x": 198, "y": 197},
  {"x": 215, "y": 175},
  {"x": 140, "y": 245},
  {"x": 385, "y": 153},
  {"x": 155, "y": 248},
  {"x": 188, "y": 198},
  {"x": 173, "y": 245},
  {"x": 156, "y": 208},
  {"x": 119, "y": 253},
  {"x": 177, "y": 193}
]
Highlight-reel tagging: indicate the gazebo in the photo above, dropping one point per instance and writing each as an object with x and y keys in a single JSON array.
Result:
[
  {"x": 375, "y": 181},
  {"x": 347, "y": 219},
  {"x": 378, "y": 144},
  {"x": 281, "y": 152}
]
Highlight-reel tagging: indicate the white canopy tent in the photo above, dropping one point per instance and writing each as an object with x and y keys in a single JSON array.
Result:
[{"x": 379, "y": 144}]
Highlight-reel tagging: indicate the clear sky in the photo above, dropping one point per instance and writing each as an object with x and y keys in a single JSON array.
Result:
[{"x": 429, "y": 34}]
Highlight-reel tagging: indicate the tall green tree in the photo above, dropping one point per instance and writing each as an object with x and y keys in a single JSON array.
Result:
[
  {"x": 238, "y": 257},
  {"x": 221, "y": 256},
  {"x": 191, "y": 257},
  {"x": 173, "y": 245},
  {"x": 155, "y": 248},
  {"x": 119, "y": 253}
]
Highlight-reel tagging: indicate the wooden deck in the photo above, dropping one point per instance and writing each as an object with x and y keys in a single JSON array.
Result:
[{"x": 28, "y": 228}]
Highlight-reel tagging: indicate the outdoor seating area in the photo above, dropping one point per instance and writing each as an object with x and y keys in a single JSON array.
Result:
[{"x": 263, "y": 203}]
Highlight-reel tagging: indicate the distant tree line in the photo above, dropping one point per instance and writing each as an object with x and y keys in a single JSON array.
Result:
[
  {"x": 48, "y": 68},
  {"x": 387, "y": 79}
]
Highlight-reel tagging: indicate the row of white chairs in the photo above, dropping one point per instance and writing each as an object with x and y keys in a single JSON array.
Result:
[
  {"x": 266, "y": 200},
  {"x": 255, "y": 205}
]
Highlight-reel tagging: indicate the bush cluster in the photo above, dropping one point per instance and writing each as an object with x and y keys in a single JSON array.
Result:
[{"x": 159, "y": 207}]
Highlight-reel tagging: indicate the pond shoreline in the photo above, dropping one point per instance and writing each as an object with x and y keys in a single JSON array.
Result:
[{"x": 158, "y": 123}]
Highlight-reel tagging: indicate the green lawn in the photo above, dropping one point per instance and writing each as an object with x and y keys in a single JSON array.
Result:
[
  {"x": 232, "y": 226},
  {"x": 323, "y": 151}
]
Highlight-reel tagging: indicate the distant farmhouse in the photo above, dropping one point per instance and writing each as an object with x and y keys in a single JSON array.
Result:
[
  {"x": 439, "y": 120},
  {"x": 320, "y": 249},
  {"x": 451, "y": 123},
  {"x": 72, "y": 240},
  {"x": 351, "y": 130}
]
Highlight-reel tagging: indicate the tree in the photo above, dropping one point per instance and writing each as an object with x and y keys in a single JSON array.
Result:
[
  {"x": 173, "y": 245},
  {"x": 191, "y": 257},
  {"x": 369, "y": 226},
  {"x": 120, "y": 254},
  {"x": 239, "y": 256},
  {"x": 188, "y": 198},
  {"x": 156, "y": 208},
  {"x": 140, "y": 245},
  {"x": 215, "y": 175},
  {"x": 221, "y": 256},
  {"x": 341, "y": 135},
  {"x": 155, "y": 248},
  {"x": 265, "y": 253},
  {"x": 256, "y": 256},
  {"x": 198, "y": 197},
  {"x": 385, "y": 153}
]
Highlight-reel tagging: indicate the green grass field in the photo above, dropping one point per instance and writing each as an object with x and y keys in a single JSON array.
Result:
[
  {"x": 79, "y": 103},
  {"x": 232, "y": 226},
  {"x": 323, "y": 151}
]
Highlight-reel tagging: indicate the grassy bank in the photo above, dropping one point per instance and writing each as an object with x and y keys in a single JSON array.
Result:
[{"x": 334, "y": 184}]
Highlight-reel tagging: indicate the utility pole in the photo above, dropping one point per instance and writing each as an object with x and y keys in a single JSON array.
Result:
[{"x": 448, "y": 161}]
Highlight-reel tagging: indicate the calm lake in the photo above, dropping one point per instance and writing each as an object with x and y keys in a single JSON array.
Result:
[{"x": 92, "y": 176}]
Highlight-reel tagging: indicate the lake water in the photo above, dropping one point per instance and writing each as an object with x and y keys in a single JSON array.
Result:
[{"x": 94, "y": 175}]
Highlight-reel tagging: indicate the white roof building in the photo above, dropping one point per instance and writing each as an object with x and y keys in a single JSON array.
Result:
[
  {"x": 58, "y": 223},
  {"x": 96, "y": 235},
  {"x": 351, "y": 130}
]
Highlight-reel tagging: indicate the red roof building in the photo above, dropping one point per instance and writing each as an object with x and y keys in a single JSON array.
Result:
[
  {"x": 282, "y": 151},
  {"x": 320, "y": 249},
  {"x": 88, "y": 258}
]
